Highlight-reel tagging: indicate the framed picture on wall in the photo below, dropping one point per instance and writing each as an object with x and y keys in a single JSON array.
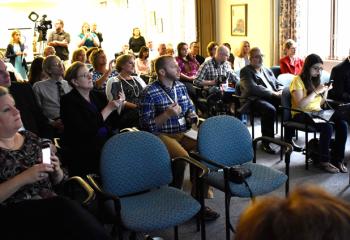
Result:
[{"x": 239, "y": 17}]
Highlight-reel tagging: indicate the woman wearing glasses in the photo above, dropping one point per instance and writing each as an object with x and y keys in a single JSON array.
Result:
[
  {"x": 308, "y": 95},
  {"x": 84, "y": 113}
]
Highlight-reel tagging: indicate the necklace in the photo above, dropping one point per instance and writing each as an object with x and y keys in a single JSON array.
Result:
[{"x": 134, "y": 86}]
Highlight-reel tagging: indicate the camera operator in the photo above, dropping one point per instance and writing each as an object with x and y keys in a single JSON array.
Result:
[
  {"x": 216, "y": 71},
  {"x": 59, "y": 39}
]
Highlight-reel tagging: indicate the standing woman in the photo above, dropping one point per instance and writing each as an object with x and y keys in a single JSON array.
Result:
[
  {"x": 308, "y": 95},
  {"x": 131, "y": 86},
  {"x": 136, "y": 41},
  {"x": 242, "y": 58},
  {"x": 16, "y": 53},
  {"x": 88, "y": 38},
  {"x": 291, "y": 63},
  {"x": 29, "y": 207},
  {"x": 83, "y": 113}
]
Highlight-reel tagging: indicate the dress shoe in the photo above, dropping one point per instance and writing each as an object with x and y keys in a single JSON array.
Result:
[
  {"x": 296, "y": 147},
  {"x": 267, "y": 148},
  {"x": 210, "y": 214}
]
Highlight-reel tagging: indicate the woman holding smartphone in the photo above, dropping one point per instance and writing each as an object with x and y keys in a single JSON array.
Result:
[
  {"x": 84, "y": 112},
  {"x": 29, "y": 207},
  {"x": 309, "y": 94}
]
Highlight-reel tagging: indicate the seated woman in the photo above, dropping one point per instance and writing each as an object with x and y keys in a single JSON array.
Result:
[
  {"x": 211, "y": 50},
  {"x": 131, "y": 86},
  {"x": 188, "y": 69},
  {"x": 309, "y": 94},
  {"x": 242, "y": 57},
  {"x": 291, "y": 63},
  {"x": 79, "y": 54},
  {"x": 100, "y": 72},
  {"x": 29, "y": 207},
  {"x": 83, "y": 113},
  {"x": 142, "y": 64}
]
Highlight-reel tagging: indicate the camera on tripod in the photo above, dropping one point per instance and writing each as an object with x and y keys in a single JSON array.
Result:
[{"x": 41, "y": 25}]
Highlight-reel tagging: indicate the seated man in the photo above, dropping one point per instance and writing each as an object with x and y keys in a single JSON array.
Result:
[
  {"x": 48, "y": 92},
  {"x": 341, "y": 86},
  {"x": 215, "y": 71},
  {"x": 164, "y": 105},
  {"x": 31, "y": 115},
  {"x": 258, "y": 81}
]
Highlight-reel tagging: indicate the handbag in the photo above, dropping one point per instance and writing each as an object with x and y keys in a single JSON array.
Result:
[{"x": 239, "y": 174}]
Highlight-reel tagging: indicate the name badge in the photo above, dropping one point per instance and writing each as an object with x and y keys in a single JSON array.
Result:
[{"x": 182, "y": 121}]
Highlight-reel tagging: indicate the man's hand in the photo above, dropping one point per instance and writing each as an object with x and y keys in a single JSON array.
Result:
[{"x": 173, "y": 110}]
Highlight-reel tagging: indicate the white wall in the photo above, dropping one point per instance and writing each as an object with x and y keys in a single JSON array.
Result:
[{"x": 115, "y": 19}]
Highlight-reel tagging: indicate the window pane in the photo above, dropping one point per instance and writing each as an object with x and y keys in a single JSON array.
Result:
[
  {"x": 342, "y": 39},
  {"x": 315, "y": 27}
]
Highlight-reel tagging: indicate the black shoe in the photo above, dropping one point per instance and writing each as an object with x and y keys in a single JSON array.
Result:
[
  {"x": 296, "y": 147},
  {"x": 267, "y": 148},
  {"x": 210, "y": 214}
]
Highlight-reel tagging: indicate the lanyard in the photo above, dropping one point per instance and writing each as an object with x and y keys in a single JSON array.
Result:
[{"x": 175, "y": 93}]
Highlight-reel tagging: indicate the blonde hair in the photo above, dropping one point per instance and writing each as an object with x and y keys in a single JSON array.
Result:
[
  {"x": 78, "y": 52},
  {"x": 122, "y": 60},
  {"x": 240, "y": 52},
  {"x": 14, "y": 32}
]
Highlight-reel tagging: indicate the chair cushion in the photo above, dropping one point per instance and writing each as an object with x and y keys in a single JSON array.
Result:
[
  {"x": 262, "y": 181},
  {"x": 158, "y": 209}
]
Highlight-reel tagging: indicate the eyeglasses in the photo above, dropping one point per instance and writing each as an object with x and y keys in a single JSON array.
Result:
[
  {"x": 85, "y": 75},
  {"x": 318, "y": 69}
]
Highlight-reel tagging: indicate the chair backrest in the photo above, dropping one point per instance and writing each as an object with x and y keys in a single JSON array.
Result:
[
  {"x": 132, "y": 162},
  {"x": 226, "y": 140},
  {"x": 285, "y": 79},
  {"x": 286, "y": 101},
  {"x": 276, "y": 70}
]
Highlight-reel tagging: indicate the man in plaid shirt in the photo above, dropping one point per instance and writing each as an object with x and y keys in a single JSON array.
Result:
[
  {"x": 211, "y": 72},
  {"x": 164, "y": 107}
]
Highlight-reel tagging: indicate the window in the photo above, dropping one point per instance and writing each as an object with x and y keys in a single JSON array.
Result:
[{"x": 323, "y": 28}]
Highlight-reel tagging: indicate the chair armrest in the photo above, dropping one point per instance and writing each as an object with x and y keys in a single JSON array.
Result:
[
  {"x": 287, "y": 147},
  {"x": 102, "y": 195},
  {"x": 204, "y": 169},
  {"x": 56, "y": 142},
  {"x": 132, "y": 129},
  {"x": 292, "y": 109},
  {"x": 68, "y": 189},
  {"x": 200, "y": 158}
]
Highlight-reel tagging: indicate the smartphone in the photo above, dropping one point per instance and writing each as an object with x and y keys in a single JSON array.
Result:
[
  {"x": 116, "y": 89},
  {"x": 330, "y": 82},
  {"x": 46, "y": 154}
]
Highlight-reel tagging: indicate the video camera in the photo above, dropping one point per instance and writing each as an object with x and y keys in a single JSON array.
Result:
[{"x": 41, "y": 26}]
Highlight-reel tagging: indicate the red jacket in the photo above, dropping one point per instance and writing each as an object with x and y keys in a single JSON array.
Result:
[{"x": 287, "y": 67}]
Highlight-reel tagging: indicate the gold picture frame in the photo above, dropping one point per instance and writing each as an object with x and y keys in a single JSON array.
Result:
[{"x": 239, "y": 19}]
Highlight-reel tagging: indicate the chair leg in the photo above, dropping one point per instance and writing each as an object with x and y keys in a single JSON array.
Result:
[
  {"x": 227, "y": 216},
  {"x": 176, "y": 233},
  {"x": 202, "y": 203},
  {"x": 306, "y": 150}
]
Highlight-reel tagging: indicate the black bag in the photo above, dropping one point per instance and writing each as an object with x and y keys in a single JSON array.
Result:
[
  {"x": 313, "y": 150},
  {"x": 239, "y": 174}
]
